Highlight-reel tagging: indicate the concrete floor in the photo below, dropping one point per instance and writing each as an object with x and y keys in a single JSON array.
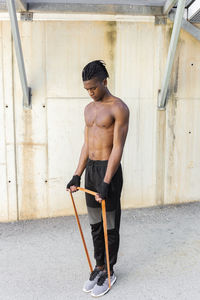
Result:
[{"x": 159, "y": 256}]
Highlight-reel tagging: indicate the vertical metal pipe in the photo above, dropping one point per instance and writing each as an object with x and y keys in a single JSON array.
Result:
[
  {"x": 171, "y": 53},
  {"x": 19, "y": 54}
]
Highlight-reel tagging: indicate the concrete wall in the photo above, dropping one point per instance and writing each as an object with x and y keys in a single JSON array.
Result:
[{"x": 39, "y": 148}]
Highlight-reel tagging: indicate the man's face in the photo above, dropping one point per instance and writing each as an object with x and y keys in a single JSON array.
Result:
[{"x": 96, "y": 88}]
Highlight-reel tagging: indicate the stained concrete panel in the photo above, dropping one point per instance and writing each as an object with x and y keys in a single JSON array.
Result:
[
  {"x": 183, "y": 151},
  {"x": 188, "y": 67},
  {"x": 3, "y": 167},
  {"x": 9, "y": 196},
  {"x": 32, "y": 37},
  {"x": 31, "y": 135},
  {"x": 65, "y": 139},
  {"x": 32, "y": 163},
  {"x": 138, "y": 158},
  {"x": 50, "y": 136},
  {"x": 135, "y": 53},
  {"x": 32, "y": 188},
  {"x": 69, "y": 47},
  {"x": 182, "y": 166},
  {"x": 135, "y": 58}
]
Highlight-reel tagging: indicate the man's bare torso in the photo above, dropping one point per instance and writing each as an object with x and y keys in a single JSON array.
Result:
[{"x": 100, "y": 120}]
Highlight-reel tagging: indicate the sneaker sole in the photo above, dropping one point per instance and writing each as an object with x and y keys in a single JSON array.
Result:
[
  {"x": 86, "y": 290},
  {"x": 96, "y": 296}
]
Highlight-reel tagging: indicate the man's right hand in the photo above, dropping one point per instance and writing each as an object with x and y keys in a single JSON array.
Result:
[{"x": 74, "y": 183}]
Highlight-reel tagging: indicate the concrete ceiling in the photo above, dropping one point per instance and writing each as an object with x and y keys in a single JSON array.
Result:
[
  {"x": 130, "y": 7},
  {"x": 140, "y": 7}
]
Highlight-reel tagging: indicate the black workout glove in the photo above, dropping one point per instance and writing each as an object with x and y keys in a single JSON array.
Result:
[
  {"x": 76, "y": 180},
  {"x": 103, "y": 190}
]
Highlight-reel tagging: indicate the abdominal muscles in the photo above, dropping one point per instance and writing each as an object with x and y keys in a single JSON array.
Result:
[{"x": 100, "y": 142}]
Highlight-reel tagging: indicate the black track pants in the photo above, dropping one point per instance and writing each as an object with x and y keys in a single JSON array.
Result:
[{"x": 94, "y": 175}]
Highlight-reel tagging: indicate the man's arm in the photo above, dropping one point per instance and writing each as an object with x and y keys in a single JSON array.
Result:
[
  {"x": 82, "y": 163},
  {"x": 121, "y": 115},
  {"x": 83, "y": 156}
]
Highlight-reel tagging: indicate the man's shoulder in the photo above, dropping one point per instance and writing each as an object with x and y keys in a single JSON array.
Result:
[
  {"x": 120, "y": 106},
  {"x": 88, "y": 106}
]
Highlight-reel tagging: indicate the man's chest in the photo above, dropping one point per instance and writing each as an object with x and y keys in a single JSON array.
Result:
[{"x": 99, "y": 116}]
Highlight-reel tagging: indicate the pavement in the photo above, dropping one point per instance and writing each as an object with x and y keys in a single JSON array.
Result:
[{"x": 159, "y": 256}]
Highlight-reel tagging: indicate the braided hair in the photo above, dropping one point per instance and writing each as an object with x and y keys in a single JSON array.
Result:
[{"x": 95, "y": 69}]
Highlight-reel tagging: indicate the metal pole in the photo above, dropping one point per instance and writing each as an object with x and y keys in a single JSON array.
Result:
[
  {"x": 171, "y": 53},
  {"x": 19, "y": 54}
]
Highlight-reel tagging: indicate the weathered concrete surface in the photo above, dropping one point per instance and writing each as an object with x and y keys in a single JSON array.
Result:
[
  {"x": 159, "y": 256},
  {"x": 39, "y": 149}
]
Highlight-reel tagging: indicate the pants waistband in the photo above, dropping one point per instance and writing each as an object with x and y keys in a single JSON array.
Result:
[{"x": 100, "y": 163}]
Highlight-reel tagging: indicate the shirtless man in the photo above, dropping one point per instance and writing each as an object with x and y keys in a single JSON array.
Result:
[{"x": 106, "y": 127}]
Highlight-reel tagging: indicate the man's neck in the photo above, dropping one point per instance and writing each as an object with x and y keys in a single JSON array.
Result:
[{"x": 106, "y": 96}]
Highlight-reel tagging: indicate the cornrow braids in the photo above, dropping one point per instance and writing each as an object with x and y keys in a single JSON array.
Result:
[{"x": 94, "y": 69}]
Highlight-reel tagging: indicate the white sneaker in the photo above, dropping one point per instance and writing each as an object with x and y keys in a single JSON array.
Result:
[
  {"x": 91, "y": 282},
  {"x": 102, "y": 286}
]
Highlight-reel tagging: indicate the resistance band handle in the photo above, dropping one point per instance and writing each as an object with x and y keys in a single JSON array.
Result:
[{"x": 87, "y": 191}]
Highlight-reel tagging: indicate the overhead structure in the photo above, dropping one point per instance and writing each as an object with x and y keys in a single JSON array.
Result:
[
  {"x": 168, "y": 6},
  {"x": 194, "y": 12},
  {"x": 22, "y": 5},
  {"x": 174, "y": 9},
  {"x": 131, "y": 7},
  {"x": 19, "y": 54},
  {"x": 186, "y": 25},
  {"x": 171, "y": 53}
]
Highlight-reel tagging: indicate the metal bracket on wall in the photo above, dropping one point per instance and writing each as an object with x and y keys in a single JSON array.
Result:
[
  {"x": 27, "y": 103},
  {"x": 160, "y": 20},
  {"x": 26, "y": 16}
]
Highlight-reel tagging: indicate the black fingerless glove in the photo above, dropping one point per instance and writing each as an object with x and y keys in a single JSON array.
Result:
[
  {"x": 76, "y": 180},
  {"x": 103, "y": 190}
]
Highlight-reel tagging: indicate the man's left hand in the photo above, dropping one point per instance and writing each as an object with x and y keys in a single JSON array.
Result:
[{"x": 102, "y": 192}]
